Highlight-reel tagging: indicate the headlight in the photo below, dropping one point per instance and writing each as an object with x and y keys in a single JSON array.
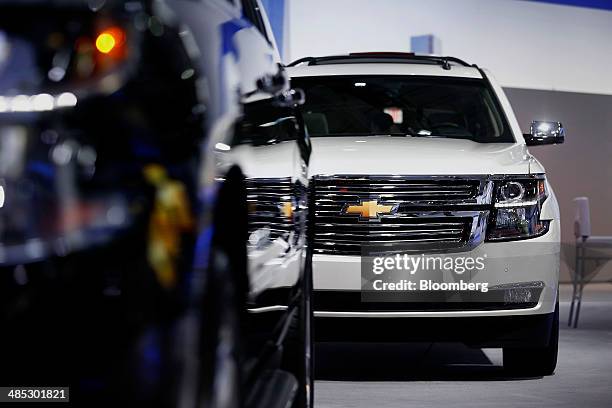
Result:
[{"x": 518, "y": 202}]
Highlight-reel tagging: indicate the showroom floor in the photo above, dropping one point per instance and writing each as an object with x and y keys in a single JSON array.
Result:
[{"x": 449, "y": 375}]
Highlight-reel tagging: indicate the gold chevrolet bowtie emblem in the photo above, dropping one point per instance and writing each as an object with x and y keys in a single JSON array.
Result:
[{"x": 369, "y": 209}]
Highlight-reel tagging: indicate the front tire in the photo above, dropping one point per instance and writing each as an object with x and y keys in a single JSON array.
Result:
[{"x": 535, "y": 361}]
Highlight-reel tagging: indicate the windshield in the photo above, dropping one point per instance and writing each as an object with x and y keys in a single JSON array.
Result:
[{"x": 404, "y": 106}]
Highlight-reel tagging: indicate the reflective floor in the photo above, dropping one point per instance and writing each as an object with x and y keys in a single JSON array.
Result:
[{"x": 452, "y": 375}]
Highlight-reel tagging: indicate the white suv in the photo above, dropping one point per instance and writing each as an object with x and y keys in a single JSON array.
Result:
[{"x": 419, "y": 159}]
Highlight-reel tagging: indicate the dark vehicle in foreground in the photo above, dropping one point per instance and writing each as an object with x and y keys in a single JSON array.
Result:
[{"x": 139, "y": 257}]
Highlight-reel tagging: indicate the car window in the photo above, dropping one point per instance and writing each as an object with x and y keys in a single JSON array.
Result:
[
  {"x": 403, "y": 105},
  {"x": 265, "y": 123}
]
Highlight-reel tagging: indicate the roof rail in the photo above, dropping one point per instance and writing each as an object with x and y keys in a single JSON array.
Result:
[{"x": 377, "y": 57}]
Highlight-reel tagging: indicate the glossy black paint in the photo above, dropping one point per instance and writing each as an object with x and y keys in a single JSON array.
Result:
[{"x": 100, "y": 316}]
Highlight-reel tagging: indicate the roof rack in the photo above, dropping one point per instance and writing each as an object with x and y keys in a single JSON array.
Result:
[{"x": 378, "y": 57}]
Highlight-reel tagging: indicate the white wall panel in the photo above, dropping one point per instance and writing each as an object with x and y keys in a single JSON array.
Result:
[{"x": 525, "y": 44}]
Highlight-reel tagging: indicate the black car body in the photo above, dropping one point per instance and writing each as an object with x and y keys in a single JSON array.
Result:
[{"x": 129, "y": 230}]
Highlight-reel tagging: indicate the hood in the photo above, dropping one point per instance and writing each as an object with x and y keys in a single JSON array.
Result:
[
  {"x": 270, "y": 161},
  {"x": 384, "y": 155}
]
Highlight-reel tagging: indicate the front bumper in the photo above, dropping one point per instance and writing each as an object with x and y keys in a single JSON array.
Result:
[
  {"x": 507, "y": 263},
  {"x": 484, "y": 331}
]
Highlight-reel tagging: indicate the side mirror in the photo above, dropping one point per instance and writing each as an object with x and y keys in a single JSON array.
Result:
[
  {"x": 544, "y": 133},
  {"x": 273, "y": 83}
]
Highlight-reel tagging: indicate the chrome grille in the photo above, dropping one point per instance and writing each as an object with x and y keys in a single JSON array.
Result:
[
  {"x": 265, "y": 198},
  {"x": 405, "y": 190},
  {"x": 440, "y": 211}
]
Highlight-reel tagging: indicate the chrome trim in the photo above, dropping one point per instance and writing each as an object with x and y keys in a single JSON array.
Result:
[
  {"x": 444, "y": 313},
  {"x": 264, "y": 309},
  {"x": 519, "y": 285},
  {"x": 517, "y": 204},
  {"x": 364, "y": 225},
  {"x": 514, "y": 286},
  {"x": 458, "y": 219},
  {"x": 482, "y": 196},
  {"x": 479, "y": 230},
  {"x": 264, "y": 195}
]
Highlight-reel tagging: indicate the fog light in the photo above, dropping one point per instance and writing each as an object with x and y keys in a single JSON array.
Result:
[{"x": 519, "y": 295}]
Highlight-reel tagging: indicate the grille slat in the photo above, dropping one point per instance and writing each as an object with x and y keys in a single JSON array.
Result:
[
  {"x": 394, "y": 241},
  {"x": 435, "y": 193},
  {"x": 264, "y": 197},
  {"x": 393, "y": 233},
  {"x": 342, "y": 234}
]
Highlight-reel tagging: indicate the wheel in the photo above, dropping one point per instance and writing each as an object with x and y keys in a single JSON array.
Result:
[
  {"x": 298, "y": 356},
  {"x": 536, "y": 361}
]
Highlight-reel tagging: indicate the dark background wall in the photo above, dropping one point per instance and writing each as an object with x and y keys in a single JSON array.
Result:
[{"x": 583, "y": 165}]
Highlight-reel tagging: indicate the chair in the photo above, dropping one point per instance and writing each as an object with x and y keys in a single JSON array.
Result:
[{"x": 584, "y": 241}]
